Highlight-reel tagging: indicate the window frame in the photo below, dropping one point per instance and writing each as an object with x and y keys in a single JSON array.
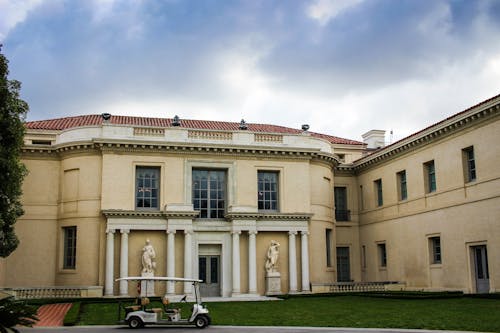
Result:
[
  {"x": 157, "y": 172},
  {"x": 342, "y": 215},
  {"x": 328, "y": 241},
  {"x": 436, "y": 254},
  {"x": 69, "y": 247},
  {"x": 402, "y": 185},
  {"x": 430, "y": 176},
  {"x": 382, "y": 255},
  {"x": 209, "y": 190},
  {"x": 469, "y": 163},
  {"x": 276, "y": 201},
  {"x": 379, "y": 194},
  {"x": 363, "y": 257}
]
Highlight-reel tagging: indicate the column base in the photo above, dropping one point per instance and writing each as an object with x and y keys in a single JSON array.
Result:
[
  {"x": 273, "y": 284},
  {"x": 147, "y": 287}
]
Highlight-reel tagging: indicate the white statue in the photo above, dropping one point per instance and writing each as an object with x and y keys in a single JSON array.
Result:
[
  {"x": 272, "y": 257},
  {"x": 148, "y": 256}
]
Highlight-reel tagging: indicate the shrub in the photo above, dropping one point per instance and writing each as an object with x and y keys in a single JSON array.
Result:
[{"x": 14, "y": 313}]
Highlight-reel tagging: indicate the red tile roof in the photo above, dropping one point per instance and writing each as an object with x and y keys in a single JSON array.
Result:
[{"x": 96, "y": 120}]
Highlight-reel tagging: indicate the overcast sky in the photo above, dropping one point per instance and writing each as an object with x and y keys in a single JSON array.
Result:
[{"x": 342, "y": 66}]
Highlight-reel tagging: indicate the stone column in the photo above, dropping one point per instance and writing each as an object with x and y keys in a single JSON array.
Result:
[
  {"x": 188, "y": 263},
  {"x": 252, "y": 262},
  {"x": 124, "y": 261},
  {"x": 171, "y": 260},
  {"x": 108, "y": 284},
  {"x": 292, "y": 262},
  {"x": 304, "y": 249},
  {"x": 236, "y": 262}
]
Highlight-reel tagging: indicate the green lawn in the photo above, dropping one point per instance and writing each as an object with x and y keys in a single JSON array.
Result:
[{"x": 463, "y": 313}]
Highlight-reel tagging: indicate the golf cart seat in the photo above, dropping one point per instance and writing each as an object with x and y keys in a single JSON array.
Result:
[{"x": 168, "y": 310}]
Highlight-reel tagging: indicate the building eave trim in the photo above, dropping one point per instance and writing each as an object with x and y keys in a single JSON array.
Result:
[{"x": 432, "y": 134}]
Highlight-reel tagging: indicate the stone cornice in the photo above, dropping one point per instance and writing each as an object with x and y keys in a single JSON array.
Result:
[
  {"x": 443, "y": 129},
  {"x": 149, "y": 214},
  {"x": 180, "y": 148},
  {"x": 119, "y": 213},
  {"x": 132, "y": 213},
  {"x": 269, "y": 216}
]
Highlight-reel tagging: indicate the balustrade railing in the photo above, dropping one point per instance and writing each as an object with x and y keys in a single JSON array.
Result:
[
  {"x": 54, "y": 292},
  {"x": 352, "y": 287},
  {"x": 342, "y": 215}
]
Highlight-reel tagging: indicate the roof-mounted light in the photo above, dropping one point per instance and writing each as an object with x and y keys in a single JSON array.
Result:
[
  {"x": 243, "y": 125},
  {"x": 176, "y": 121}
]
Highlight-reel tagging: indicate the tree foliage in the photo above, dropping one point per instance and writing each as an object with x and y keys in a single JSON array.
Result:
[
  {"x": 13, "y": 112},
  {"x": 13, "y": 313}
]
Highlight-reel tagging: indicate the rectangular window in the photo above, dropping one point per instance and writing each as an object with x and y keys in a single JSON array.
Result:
[
  {"x": 361, "y": 199},
  {"x": 267, "y": 190},
  {"x": 343, "y": 265},
  {"x": 328, "y": 235},
  {"x": 469, "y": 164},
  {"x": 435, "y": 246},
  {"x": 382, "y": 254},
  {"x": 147, "y": 187},
  {"x": 378, "y": 192},
  {"x": 209, "y": 193},
  {"x": 430, "y": 179},
  {"x": 402, "y": 190},
  {"x": 69, "y": 259},
  {"x": 340, "y": 197},
  {"x": 363, "y": 257}
]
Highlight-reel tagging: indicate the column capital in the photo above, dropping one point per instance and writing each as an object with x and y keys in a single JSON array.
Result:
[
  {"x": 171, "y": 231},
  {"x": 305, "y": 233},
  {"x": 188, "y": 232},
  {"x": 292, "y": 232},
  {"x": 236, "y": 232},
  {"x": 125, "y": 231},
  {"x": 253, "y": 232},
  {"x": 110, "y": 231}
]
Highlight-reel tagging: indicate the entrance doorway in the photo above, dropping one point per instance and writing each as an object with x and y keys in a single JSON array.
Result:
[
  {"x": 209, "y": 269},
  {"x": 343, "y": 267},
  {"x": 209, "y": 272},
  {"x": 482, "y": 276}
]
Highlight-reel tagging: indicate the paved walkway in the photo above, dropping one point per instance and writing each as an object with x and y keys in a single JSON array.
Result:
[{"x": 52, "y": 314}]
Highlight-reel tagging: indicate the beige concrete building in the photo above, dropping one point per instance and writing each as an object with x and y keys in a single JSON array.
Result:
[{"x": 211, "y": 196}]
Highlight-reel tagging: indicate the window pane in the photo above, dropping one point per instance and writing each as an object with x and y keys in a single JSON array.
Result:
[
  {"x": 202, "y": 268},
  {"x": 211, "y": 196},
  {"x": 431, "y": 176},
  {"x": 267, "y": 185},
  {"x": 340, "y": 201},
  {"x": 214, "y": 270},
  {"x": 69, "y": 260},
  {"x": 147, "y": 187},
  {"x": 470, "y": 164}
]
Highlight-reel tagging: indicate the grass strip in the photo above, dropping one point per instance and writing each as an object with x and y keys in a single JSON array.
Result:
[
  {"x": 447, "y": 313},
  {"x": 72, "y": 315}
]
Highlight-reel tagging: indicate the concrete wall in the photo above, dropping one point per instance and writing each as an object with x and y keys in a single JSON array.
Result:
[{"x": 462, "y": 213}]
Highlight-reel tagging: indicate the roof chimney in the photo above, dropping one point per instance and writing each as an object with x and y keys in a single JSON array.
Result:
[{"x": 374, "y": 139}]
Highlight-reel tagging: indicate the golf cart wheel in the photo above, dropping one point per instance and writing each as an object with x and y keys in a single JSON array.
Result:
[
  {"x": 135, "y": 322},
  {"x": 201, "y": 321}
]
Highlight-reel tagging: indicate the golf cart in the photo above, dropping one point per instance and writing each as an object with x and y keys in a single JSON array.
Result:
[{"x": 142, "y": 313}]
